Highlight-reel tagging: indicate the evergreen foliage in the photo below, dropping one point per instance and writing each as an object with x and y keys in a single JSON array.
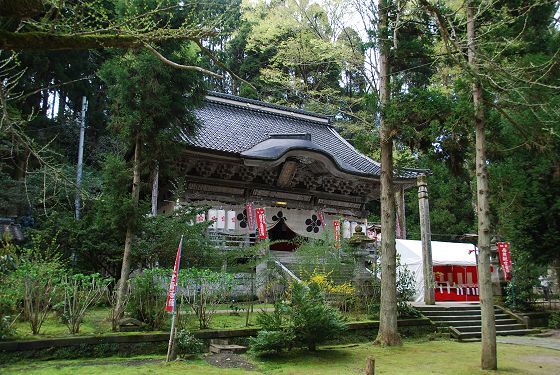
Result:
[
  {"x": 148, "y": 291},
  {"x": 304, "y": 320}
]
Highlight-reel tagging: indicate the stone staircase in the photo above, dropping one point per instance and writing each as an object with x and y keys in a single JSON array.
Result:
[{"x": 463, "y": 320}]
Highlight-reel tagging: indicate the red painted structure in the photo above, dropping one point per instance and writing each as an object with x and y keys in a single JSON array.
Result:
[{"x": 456, "y": 283}]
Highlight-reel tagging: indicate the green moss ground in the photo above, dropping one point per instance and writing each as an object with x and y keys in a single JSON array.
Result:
[
  {"x": 415, "y": 357},
  {"x": 97, "y": 322}
]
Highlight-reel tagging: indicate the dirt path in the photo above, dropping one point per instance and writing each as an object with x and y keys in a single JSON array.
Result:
[{"x": 550, "y": 340}]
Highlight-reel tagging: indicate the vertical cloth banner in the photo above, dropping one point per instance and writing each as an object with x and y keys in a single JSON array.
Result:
[
  {"x": 261, "y": 223},
  {"x": 171, "y": 293},
  {"x": 505, "y": 259},
  {"x": 336, "y": 227},
  {"x": 250, "y": 211}
]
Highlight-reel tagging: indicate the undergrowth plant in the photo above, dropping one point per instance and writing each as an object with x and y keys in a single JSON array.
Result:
[
  {"x": 203, "y": 290},
  {"x": 80, "y": 293},
  {"x": 148, "y": 291},
  {"x": 303, "y": 320}
]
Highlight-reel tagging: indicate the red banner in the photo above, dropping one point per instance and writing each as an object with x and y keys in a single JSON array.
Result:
[
  {"x": 250, "y": 210},
  {"x": 505, "y": 259},
  {"x": 170, "y": 302},
  {"x": 261, "y": 223},
  {"x": 336, "y": 226}
]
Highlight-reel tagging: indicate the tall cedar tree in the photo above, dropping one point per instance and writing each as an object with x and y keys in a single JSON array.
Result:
[
  {"x": 150, "y": 103},
  {"x": 388, "y": 333}
]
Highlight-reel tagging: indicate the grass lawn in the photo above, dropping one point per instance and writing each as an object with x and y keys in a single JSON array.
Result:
[
  {"x": 415, "y": 357},
  {"x": 97, "y": 322}
]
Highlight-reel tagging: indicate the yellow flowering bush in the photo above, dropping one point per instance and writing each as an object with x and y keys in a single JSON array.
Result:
[{"x": 338, "y": 295}]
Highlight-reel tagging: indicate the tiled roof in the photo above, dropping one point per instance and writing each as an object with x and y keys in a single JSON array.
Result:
[{"x": 235, "y": 125}]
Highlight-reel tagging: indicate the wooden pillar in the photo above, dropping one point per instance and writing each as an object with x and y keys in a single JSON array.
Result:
[
  {"x": 401, "y": 214},
  {"x": 426, "y": 237}
]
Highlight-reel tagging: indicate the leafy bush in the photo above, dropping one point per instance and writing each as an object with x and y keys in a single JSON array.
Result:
[
  {"x": 338, "y": 295},
  {"x": 272, "y": 341},
  {"x": 157, "y": 242},
  {"x": 203, "y": 289},
  {"x": 37, "y": 280},
  {"x": 313, "y": 320},
  {"x": 6, "y": 327},
  {"x": 187, "y": 343},
  {"x": 405, "y": 291},
  {"x": 520, "y": 290},
  {"x": 304, "y": 321},
  {"x": 8, "y": 299},
  {"x": 80, "y": 293},
  {"x": 554, "y": 320},
  {"x": 276, "y": 333},
  {"x": 148, "y": 292}
]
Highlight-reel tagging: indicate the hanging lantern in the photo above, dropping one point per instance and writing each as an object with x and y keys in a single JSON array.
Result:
[
  {"x": 346, "y": 231},
  {"x": 231, "y": 220},
  {"x": 221, "y": 223},
  {"x": 213, "y": 217},
  {"x": 201, "y": 217}
]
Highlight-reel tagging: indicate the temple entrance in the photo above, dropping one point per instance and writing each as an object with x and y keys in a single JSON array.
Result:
[{"x": 281, "y": 232}]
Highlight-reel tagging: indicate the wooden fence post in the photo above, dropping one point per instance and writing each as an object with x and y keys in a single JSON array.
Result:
[{"x": 370, "y": 366}]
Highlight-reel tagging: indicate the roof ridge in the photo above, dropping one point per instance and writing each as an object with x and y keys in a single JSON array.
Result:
[{"x": 267, "y": 107}]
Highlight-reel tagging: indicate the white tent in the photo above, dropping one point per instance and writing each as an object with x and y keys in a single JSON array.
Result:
[{"x": 443, "y": 253}]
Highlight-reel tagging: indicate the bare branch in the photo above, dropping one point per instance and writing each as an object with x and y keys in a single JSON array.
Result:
[
  {"x": 180, "y": 66},
  {"x": 209, "y": 53}
]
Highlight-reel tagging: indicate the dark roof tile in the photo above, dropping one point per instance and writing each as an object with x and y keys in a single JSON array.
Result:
[{"x": 235, "y": 125}]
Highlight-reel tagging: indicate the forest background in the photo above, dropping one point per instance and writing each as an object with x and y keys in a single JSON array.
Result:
[{"x": 318, "y": 56}]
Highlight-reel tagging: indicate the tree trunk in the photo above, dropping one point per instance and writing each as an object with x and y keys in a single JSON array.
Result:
[
  {"x": 155, "y": 189},
  {"x": 488, "y": 356},
  {"x": 388, "y": 334},
  {"x": 61, "y": 105},
  {"x": 125, "y": 268}
]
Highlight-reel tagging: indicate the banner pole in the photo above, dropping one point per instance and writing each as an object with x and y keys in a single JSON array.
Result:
[
  {"x": 176, "y": 288},
  {"x": 171, "y": 336}
]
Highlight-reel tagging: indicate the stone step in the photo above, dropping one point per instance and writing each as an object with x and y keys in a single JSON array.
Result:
[
  {"x": 513, "y": 332},
  {"x": 499, "y": 327},
  {"x": 227, "y": 348},
  {"x": 451, "y": 312},
  {"x": 474, "y": 339},
  {"x": 464, "y": 317},
  {"x": 463, "y": 323}
]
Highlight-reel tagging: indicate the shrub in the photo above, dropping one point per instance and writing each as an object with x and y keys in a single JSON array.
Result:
[
  {"x": 338, "y": 295},
  {"x": 37, "y": 280},
  {"x": 313, "y": 320},
  {"x": 203, "y": 289},
  {"x": 187, "y": 343},
  {"x": 272, "y": 341},
  {"x": 148, "y": 295},
  {"x": 8, "y": 299},
  {"x": 520, "y": 290},
  {"x": 554, "y": 320},
  {"x": 304, "y": 321},
  {"x": 80, "y": 293},
  {"x": 276, "y": 333},
  {"x": 6, "y": 327},
  {"x": 405, "y": 291}
]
